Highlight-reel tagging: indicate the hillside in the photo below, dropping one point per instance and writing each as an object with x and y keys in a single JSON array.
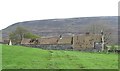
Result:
[
  {"x": 62, "y": 26},
  {"x": 18, "y": 57}
]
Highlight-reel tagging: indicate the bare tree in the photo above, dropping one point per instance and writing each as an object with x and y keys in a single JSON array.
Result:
[{"x": 109, "y": 31}]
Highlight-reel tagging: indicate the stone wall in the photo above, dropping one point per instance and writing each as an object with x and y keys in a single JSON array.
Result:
[{"x": 52, "y": 47}]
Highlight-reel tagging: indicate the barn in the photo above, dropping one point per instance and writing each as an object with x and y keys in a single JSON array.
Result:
[
  {"x": 87, "y": 42},
  {"x": 83, "y": 42}
]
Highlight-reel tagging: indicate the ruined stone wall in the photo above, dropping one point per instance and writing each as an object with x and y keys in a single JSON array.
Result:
[
  {"x": 52, "y": 47},
  {"x": 84, "y": 42}
]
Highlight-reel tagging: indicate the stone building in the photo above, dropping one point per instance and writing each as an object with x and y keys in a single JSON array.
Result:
[{"x": 83, "y": 42}]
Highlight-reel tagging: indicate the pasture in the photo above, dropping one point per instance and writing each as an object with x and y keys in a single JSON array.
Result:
[{"x": 19, "y": 57}]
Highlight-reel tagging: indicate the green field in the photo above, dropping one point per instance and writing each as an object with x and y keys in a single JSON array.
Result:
[
  {"x": 0, "y": 57},
  {"x": 18, "y": 57}
]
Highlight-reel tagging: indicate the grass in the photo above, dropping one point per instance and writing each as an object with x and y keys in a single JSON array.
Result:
[
  {"x": 19, "y": 57},
  {"x": 0, "y": 57}
]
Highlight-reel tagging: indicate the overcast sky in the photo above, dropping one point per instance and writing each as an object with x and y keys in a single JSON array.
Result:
[{"x": 12, "y": 11}]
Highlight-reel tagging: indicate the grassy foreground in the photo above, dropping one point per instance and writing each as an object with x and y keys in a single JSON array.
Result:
[
  {"x": 0, "y": 57},
  {"x": 18, "y": 57}
]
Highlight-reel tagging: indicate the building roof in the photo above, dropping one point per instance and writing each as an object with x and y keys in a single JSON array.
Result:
[
  {"x": 51, "y": 40},
  {"x": 65, "y": 40},
  {"x": 25, "y": 41}
]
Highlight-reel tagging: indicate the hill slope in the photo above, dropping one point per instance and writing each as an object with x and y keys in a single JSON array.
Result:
[
  {"x": 18, "y": 57},
  {"x": 61, "y": 26}
]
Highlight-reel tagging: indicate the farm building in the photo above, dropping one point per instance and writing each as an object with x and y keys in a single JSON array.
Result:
[
  {"x": 76, "y": 42},
  {"x": 49, "y": 43},
  {"x": 87, "y": 41}
]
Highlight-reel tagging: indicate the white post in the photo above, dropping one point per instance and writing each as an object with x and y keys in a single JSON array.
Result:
[
  {"x": 103, "y": 43},
  {"x": 60, "y": 36},
  {"x": 10, "y": 43}
]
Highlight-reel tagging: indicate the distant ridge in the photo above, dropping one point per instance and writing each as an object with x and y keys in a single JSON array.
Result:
[{"x": 60, "y": 26}]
